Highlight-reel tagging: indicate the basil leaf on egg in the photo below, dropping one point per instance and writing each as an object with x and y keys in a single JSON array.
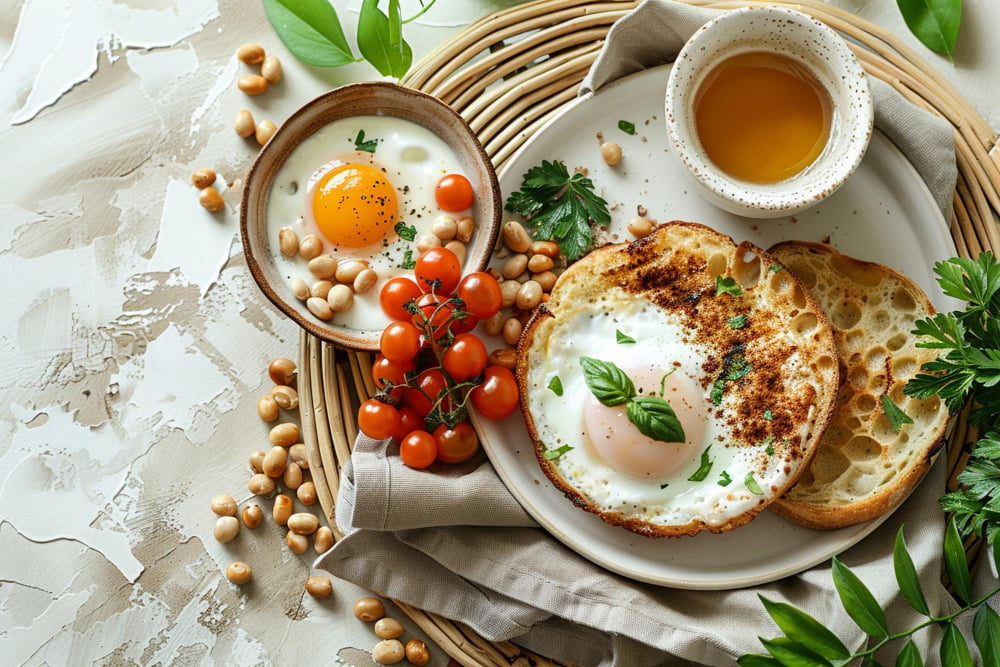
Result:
[
  {"x": 553, "y": 454},
  {"x": 623, "y": 339},
  {"x": 895, "y": 415},
  {"x": 655, "y": 419},
  {"x": 607, "y": 382},
  {"x": 405, "y": 231},
  {"x": 727, "y": 286},
  {"x": 724, "y": 479},
  {"x": 555, "y": 385},
  {"x": 752, "y": 485},
  {"x": 408, "y": 261},
  {"x": 706, "y": 466}
]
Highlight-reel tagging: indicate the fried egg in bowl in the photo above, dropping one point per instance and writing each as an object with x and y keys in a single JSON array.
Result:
[{"x": 677, "y": 384}]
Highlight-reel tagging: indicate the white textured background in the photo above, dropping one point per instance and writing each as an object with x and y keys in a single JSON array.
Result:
[{"x": 133, "y": 342}]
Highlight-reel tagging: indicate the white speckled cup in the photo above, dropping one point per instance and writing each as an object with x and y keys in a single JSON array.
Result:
[{"x": 810, "y": 43}]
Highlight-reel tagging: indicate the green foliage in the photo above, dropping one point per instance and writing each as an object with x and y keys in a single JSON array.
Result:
[{"x": 933, "y": 22}]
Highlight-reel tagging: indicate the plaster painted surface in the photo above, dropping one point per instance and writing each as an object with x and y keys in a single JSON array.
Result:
[{"x": 133, "y": 342}]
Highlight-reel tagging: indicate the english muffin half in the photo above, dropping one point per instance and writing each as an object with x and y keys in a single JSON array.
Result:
[
  {"x": 678, "y": 383},
  {"x": 864, "y": 467}
]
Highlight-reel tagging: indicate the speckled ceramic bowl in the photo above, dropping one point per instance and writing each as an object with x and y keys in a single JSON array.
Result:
[
  {"x": 810, "y": 43},
  {"x": 360, "y": 99}
]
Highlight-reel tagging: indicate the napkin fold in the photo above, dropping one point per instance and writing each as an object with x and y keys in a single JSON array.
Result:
[{"x": 458, "y": 544}]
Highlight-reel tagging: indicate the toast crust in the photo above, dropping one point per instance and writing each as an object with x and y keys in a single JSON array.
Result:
[
  {"x": 863, "y": 468},
  {"x": 691, "y": 255}
]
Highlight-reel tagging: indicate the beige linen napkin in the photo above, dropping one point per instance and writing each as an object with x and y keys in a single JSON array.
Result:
[{"x": 458, "y": 544}]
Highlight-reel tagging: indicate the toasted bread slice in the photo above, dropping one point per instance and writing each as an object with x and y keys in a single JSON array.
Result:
[
  {"x": 864, "y": 468},
  {"x": 763, "y": 414}
]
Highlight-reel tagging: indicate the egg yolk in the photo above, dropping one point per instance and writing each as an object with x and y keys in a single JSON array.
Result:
[
  {"x": 623, "y": 447},
  {"x": 354, "y": 205}
]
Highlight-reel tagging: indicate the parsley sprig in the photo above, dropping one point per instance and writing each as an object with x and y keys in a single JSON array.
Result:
[
  {"x": 560, "y": 207},
  {"x": 968, "y": 367}
]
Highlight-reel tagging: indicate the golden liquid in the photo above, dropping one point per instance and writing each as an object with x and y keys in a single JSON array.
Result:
[{"x": 762, "y": 117}]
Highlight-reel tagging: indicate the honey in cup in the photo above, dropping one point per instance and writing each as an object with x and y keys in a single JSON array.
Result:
[{"x": 762, "y": 117}]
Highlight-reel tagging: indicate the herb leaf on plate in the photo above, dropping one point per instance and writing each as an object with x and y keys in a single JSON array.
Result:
[
  {"x": 560, "y": 206},
  {"x": 376, "y": 32},
  {"x": 311, "y": 31},
  {"x": 934, "y": 22}
]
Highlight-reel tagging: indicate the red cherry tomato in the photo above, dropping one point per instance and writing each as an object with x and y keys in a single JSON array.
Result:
[
  {"x": 497, "y": 396},
  {"x": 481, "y": 294},
  {"x": 455, "y": 445},
  {"x": 377, "y": 419},
  {"x": 393, "y": 371},
  {"x": 409, "y": 421},
  {"x": 400, "y": 342},
  {"x": 454, "y": 193},
  {"x": 464, "y": 325},
  {"x": 466, "y": 358},
  {"x": 395, "y": 294},
  {"x": 438, "y": 266},
  {"x": 432, "y": 382},
  {"x": 418, "y": 449},
  {"x": 436, "y": 318}
]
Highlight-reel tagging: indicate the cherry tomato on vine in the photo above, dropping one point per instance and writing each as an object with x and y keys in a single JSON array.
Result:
[
  {"x": 438, "y": 264},
  {"x": 497, "y": 396},
  {"x": 464, "y": 325},
  {"x": 393, "y": 371},
  {"x": 436, "y": 318},
  {"x": 432, "y": 382},
  {"x": 395, "y": 294},
  {"x": 377, "y": 419},
  {"x": 454, "y": 193},
  {"x": 400, "y": 342},
  {"x": 481, "y": 293},
  {"x": 409, "y": 421},
  {"x": 418, "y": 449},
  {"x": 466, "y": 358},
  {"x": 457, "y": 444}
]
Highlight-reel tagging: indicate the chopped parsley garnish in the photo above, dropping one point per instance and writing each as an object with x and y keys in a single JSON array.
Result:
[
  {"x": 560, "y": 207},
  {"x": 724, "y": 479},
  {"x": 623, "y": 339},
  {"x": 776, "y": 267},
  {"x": 734, "y": 367},
  {"x": 555, "y": 384},
  {"x": 718, "y": 389},
  {"x": 405, "y": 231},
  {"x": 769, "y": 450},
  {"x": 706, "y": 466},
  {"x": 896, "y": 416},
  {"x": 737, "y": 322},
  {"x": 664, "y": 485},
  {"x": 626, "y": 126},
  {"x": 408, "y": 261},
  {"x": 553, "y": 454},
  {"x": 752, "y": 485},
  {"x": 768, "y": 415},
  {"x": 362, "y": 145},
  {"x": 727, "y": 285}
]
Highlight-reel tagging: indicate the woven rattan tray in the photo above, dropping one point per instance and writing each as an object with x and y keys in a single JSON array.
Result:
[{"x": 507, "y": 74}]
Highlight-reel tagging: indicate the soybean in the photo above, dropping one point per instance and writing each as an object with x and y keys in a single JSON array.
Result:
[
  {"x": 226, "y": 529},
  {"x": 364, "y": 281},
  {"x": 257, "y": 460},
  {"x": 261, "y": 485},
  {"x": 515, "y": 236},
  {"x": 306, "y": 494},
  {"x": 322, "y": 539},
  {"x": 458, "y": 248},
  {"x": 282, "y": 509},
  {"x": 284, "y": 435},
  {"x": 319, "y": 587},
  {"x": 494, "y": 324},
  {"x": 529, "y": 296},
  {"x": 540, "y": 263},
  {"x": 252, "y": 516},
  {"x": 244, "y": 123},
  {"x": 465, "y": 229},
  {"x": 424, "y": 242},
  {"x": 288, "y": 242},
  {"x": 340, "y": 298},
  {"x": 292, "y": 477},
  {"x": 251, "y": 54},
  {"x": 321, "y": 289},
  {"x": 512, "y": 331},
  {"x": 282, "y": 371},
  {"x": 303, "y": 523},
  {"x": 275, "y": 461},
  {"x": 547, "y": 248},
  {"x": 508, "y": 292},
  {"x": 239, "y": 573},
  {"x": 264, "y": 131},
  {"x": 369, "y": 609},
  {"x": 514, "y": 266},
  {"x": 202, "y": 178},
  {"x": 444, "y": 227},
  {"x": 347, "y": 271},
  {"x": 285, "y": 397},
  {"x": 211, "y": 200},
  {"x": 300, "y": 289},
  {"x": 252, "y": 84},
  {"x": 310, "y": 247},
  {"x": 323, "y": 266},
  {"x": 417, "y": 653},
  {"x": 297, "y": 453},
  {"x": 271, "y": 69},
  {"x": 224, "y": 505},
  {"x": 320, "y": 308},
  {"x": 298, "y": 544},
  {"x": 612, "y": 153},
  {"x": 640, "y": 227},
  {"x": 388, "y": 628},
  {"x": 546, "y": 279},
  {"x": 388, "y": 652},
  {"x": 505, "y": 357}
]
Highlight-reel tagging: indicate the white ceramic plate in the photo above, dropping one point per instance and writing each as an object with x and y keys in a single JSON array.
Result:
[{"x": 884, "y": 213}]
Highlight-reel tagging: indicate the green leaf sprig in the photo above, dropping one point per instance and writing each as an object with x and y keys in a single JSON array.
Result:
[
  {"x": 807, "y": 642},
  {"x": 934, "y": 22},
  {"x": 968, "y": 368},
  {"x": 560, "y": 207},
  {"x": 312, "y": 32},
  {"x": 652, "y": 415}
]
